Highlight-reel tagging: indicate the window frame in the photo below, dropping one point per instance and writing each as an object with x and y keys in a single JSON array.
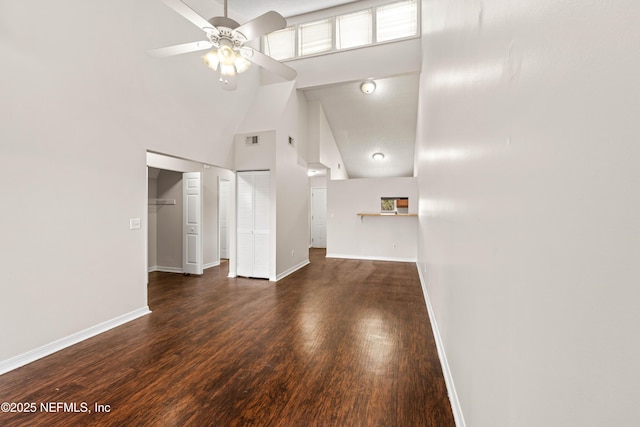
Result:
[{"x": 332, "y": 19}]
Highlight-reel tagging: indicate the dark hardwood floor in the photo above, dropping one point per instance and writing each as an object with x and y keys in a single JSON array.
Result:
[{"x": 338, "y": 343}]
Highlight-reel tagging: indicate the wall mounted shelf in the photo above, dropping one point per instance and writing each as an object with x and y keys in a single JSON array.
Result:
[{"x": 362, "y": 215}]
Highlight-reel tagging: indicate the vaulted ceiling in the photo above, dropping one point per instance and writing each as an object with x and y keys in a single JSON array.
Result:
[{"x": 384, "y": 121}]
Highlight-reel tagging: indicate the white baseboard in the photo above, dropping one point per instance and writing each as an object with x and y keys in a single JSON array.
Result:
[
  {"x": 47, "y": 349},
  {"x": 179, "y": 270},
  {"x": 371, "y": 258},
  {"x": 448, "y": 378},
  {"x": 211, "y": 264},
  {"x": 292, "y": 270},
  {"x": 169, "y": 269}
]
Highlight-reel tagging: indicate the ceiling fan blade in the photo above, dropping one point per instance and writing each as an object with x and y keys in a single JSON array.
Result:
[
  {"x": 272, "y": 65},
  {"x": 188, "y": 13},
  {"x": 263, "y": 24},
  {"x": 179, "y": 49}
]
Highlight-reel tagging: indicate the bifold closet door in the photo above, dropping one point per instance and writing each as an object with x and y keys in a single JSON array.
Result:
[{"x": 253, "y": 219}]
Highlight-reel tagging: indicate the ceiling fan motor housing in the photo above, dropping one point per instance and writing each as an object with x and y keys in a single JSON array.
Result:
[
  {"x": 223, "y": 21},
  {"x": 224, "y": 29}
]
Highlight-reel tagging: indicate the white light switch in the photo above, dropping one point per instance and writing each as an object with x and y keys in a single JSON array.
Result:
[{"x": 134, "y": 224}]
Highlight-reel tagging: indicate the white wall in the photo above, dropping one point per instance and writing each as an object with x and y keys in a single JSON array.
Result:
[
  {"x": 292, "y": 188},
  {"x": 82, "y": 103},
  {"x": 349, "y": 235},
  {"x": 322, "y": 146},
  {"x": 276, "y": 115},
  {"x": 527, "y": 160}
]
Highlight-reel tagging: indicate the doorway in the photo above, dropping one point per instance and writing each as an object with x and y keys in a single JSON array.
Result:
[
  {"x": 318, "y": 217},
  {"x": 170, "y": 190},
  {"x": 164, "y": 221},
  {"x": 174, "y": 218},
  {"x": 224, "y": 198}
]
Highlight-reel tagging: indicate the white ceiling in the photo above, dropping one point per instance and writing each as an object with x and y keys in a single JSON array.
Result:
[{"x": 384, "y": 121}]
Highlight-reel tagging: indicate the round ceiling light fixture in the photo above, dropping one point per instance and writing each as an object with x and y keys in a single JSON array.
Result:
[
  {"x": 378, "y": 156},
  {"x": 368, "y": 86}
]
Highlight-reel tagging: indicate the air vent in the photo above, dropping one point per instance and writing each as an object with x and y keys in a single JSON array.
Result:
[{"x": 251, "y": 140}]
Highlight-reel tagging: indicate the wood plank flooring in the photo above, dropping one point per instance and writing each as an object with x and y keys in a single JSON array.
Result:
[{"x": 338, "y": 343}]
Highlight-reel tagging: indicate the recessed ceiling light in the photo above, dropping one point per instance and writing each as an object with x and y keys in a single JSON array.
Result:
[
  {"x": 368, "y": 87},
  {"x": 311, "y": 172},
  {"x": 378, "y": 156}
]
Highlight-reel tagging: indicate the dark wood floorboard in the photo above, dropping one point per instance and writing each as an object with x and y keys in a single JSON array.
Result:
[{"x": 338, "y": 343}]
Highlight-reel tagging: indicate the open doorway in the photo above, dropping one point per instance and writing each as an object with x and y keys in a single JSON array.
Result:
[
  {"x": 169, "y": 219},
  {"x": 318, "y": 217},
  {"x": 224, "y": 201},
  {"x": 164, "y": 221}
]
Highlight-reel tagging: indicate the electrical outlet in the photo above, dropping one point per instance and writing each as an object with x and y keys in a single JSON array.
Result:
[{"x": 135, "y": 224}]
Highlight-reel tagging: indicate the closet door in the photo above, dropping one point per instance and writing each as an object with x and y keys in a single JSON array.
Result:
[
  {"x": 261, "y": 232},
  {"x": 253, "y": 221},
  {"x": 244, "y": 224}
]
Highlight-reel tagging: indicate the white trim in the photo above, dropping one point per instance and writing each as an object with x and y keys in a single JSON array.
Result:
[
  {"x": 211, "y": 264},
  {"x": 47, "y": 349},
  {"x": 169, "y": 269},
  {"x": 448, "y": 378},
  {"x": 152, "y": 269},
  {"x": 370, "y": 258},
  {"x": 292, "y": 270}
]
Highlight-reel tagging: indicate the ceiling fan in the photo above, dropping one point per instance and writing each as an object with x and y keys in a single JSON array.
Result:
[{"x": 229, "y": 55}]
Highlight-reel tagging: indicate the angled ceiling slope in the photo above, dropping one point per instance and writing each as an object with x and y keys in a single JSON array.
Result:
[{"x": 384, "y": 121}]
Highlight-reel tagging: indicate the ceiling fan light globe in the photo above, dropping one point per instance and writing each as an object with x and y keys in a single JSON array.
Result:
[
  {"x": 241, "y": 64},
  {"x": 211, "y": 59},
  {"x": 226, "y": 55},
  {"x": 227, "y": 70}
]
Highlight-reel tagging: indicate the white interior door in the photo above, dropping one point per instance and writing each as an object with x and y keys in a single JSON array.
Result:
[
  {"x": 223, "y": 214},
  {"x": 253, "y": 224},
  {"x": 261, "y": 224},
  {"x": 244, "y": 225},
  {"x": 319, "y": 217},
  {"x": 192, "y": 223}
]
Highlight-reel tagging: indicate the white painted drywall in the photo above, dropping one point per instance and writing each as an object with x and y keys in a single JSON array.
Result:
[
  {"x": 322, "y": 147},
  {"x": 359, "y": 64},
  {"x": 351, "y": 236},
  {"x": 292, "y": 202},
  {"x": 82, "y": 102},
  {"x": 527, "y": 164},
  {"x": 277, "y": 114}
]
